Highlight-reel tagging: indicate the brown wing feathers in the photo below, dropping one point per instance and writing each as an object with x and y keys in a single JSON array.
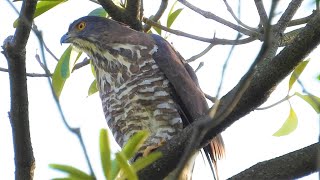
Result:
[{"x": 185, "y": 83}]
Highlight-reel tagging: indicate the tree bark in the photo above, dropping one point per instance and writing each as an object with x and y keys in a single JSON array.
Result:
[{"x": 15, "y": 51}]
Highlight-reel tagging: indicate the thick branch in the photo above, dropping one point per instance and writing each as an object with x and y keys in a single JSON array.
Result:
[
  {"x": 267, "y": 76},
  {"x": 285, "y": 18},
  {"x": 121, "y": 15},
  {"x": 15, "y": 52},
  {"x": 290, "y": 166},
  {"x": 133, "y": 8}
]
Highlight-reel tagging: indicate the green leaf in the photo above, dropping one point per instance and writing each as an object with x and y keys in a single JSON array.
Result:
[
  {"x": 318, "y": 77},
  {"x": 77, "y": 58},
  {"x": 172, "y": 7},
  {"x": 114, "y": 169},
  {"x": 92, "y": 68},
  {"x": 105, "y": 153},
  {"x": 93, "y": 88},
  {"x": 125, "y": 166},
  {"x": 172, "y": 17},
  {"x": 61, "y": 72},
  {"x": 42, "y": 7},
  {"x": 158, "y": 30},
  {"x": 296, "y": 73},
  {"x": 289, "y": 125},
  {"x": 312, "y": 100},
  {"x": 134, "y": 143},
  {"x": 146, "y": 161},
  {"x": 73, "y": 172},
  {"x": 98, "y": 12}
]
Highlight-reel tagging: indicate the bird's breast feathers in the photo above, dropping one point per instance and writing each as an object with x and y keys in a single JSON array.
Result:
[{"x": 135, "y": 94}]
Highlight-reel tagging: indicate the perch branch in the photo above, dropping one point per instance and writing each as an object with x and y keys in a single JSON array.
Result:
[
  {"x": 290, "y": 166},
  {"x": 267, "y": 76}
]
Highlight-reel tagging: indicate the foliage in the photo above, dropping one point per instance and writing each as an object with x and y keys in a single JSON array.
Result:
[
  {"x": 42, "y": 7},
  {"x": 119, "y": 168},
  {"x": 172, "y": 16},
  {"x": 291, "y": 122}
]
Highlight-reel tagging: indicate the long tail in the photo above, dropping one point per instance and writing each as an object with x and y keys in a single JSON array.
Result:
[{"x": 215, "y": 150}]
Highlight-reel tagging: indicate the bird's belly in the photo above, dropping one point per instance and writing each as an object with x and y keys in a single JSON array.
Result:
[{"x": 145, "y": 104}]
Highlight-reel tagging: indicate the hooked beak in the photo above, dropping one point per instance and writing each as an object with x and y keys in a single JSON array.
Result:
[{"x": 65, "y": 38}]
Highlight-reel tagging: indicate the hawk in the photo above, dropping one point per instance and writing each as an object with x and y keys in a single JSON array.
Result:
[{"x": 144, "y": 84}]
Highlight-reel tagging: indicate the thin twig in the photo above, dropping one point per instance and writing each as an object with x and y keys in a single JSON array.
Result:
[
  {"x": 224, "y": 67},
  {"x": 211, "y": 98},
  {"x": 214, "y": 41},
  {"x": 50, "y": 52},
  {"x": 236, "y": 18},
  {"x": 199, "y": 67},
  {"x": 163, "y": 6},
  {"x": 28, "y": 74},
  {"x": 46, "y": 70},
  {"x": 81, "y": 64},
  {"x": 274, "y": 104},
  {"x": 214, "y": 17},
  {"x": 304, "y": 90},
  {"x": 205, "y": 51},
  {"x": 76, "y": 131}
]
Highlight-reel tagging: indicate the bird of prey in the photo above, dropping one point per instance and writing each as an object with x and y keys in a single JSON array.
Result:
[{"x": 144, "y": 84}]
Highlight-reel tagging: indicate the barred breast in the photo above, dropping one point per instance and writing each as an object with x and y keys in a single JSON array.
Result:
[{"x": 135, "y": 94}]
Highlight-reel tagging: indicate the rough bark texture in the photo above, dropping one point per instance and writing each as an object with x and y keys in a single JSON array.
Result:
[
  {"x": 128, "y": 15},
  {"x": 290, "y": 166},
  {"x": 15, "y": 51}
]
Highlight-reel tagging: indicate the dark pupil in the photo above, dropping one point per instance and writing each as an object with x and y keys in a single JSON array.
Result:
[{"x": 81, "y": 26}]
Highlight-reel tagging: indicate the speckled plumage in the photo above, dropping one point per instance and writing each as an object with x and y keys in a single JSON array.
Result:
[
  {"x": 144, "y": 83},
  {"x": 138, "y": 98}
]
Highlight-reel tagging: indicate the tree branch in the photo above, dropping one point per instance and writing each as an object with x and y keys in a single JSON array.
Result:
[
  {"x": 236, "y": 18},
  {"x": 268, "y": 74},
  {"x": 285, "y": 18},
  {"x": 300, "y": 21},
  {"x": 262, "y": 12},
  {"x": 28, "y": 74},
  {"x": 121, "y": 15},
  {"x": 214, "y": 17},
  {"x": 133, "y": 8},
  {"x": 213, "y": 41},
  {"x": 163, "y": 6},
  {"x": 15, "y": 52},
  {"x": 290, "y": 166}
]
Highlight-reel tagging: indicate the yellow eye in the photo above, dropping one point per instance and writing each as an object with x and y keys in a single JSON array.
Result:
[{"x": 81, "y": 26}]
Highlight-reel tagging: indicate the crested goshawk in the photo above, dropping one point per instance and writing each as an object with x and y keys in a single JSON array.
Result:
[{"x": 144, "y": 83}]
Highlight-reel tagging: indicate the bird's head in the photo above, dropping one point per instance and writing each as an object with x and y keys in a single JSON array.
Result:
[{"x": 92, "y": 33}]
